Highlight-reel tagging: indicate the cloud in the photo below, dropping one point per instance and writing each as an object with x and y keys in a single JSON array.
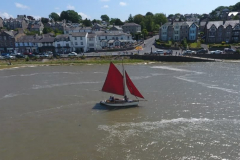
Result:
[
  {"x": 70, "y": 7},
  {"x": 84, "y": 16},
  {"x": 5, "y": 15},
  {"x": 18, "y": 5},
  {"x": 122, "y": 4},
  {"x": 105, "y": 6}
]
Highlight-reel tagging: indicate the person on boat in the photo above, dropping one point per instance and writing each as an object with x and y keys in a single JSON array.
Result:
[{"x": 125, "y": 98}]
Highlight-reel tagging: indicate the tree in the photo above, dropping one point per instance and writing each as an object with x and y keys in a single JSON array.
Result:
[
  {"x": 47, "y": 30},
  {"x": 156, "y": 27},
  {"x": 118, "y": 22},
  {"x": 149, "y": 23},
  {"x": 149, "y": 14},
  {"x": 96, "y": 21},
  {"x": 87, "y": 22},
  {"x": 44, "y": 20},
  {"x": 112, "y": 21},
  {"x": 170, "y": 16},
  {"x": 236, "y": 17},
  {"x": 105, "y": 18},
  {"x": 159, "y": 18},
  {"x": 236, "y": 7},
  {"x": 138, "y": 18},
  {"x": 145, "y": 33},
  {"x": 71, "y": 15},
  {"x": 54, "y": 16},
  {"x": 130, "y": 18}
]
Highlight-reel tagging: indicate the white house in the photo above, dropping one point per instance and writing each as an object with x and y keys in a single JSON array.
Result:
[
  {"x": 91, "y": 42},
  {"x": 63, "y": 44},
  {"x": 68, "y": 30},
  {"x": 108, "y": 38},
  {"x": 79, "y": 41}
]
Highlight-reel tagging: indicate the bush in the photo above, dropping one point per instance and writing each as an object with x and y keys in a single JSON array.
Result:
[
  {"x": 223, "y": 43},
  {"x": 83, "y": 57},
  {"x": 27, "y": 59}
]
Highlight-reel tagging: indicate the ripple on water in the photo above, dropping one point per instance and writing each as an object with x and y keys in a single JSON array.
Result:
[{"x": 191, "y": 137}]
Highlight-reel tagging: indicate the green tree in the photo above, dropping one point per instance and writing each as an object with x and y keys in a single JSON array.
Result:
[
  {"x": 170, "y": 16},
  {"x": 96, "y": 21},
  {"x": 47, "y": 30},
  {"x": 112, "y": 21},
  {"x": 159, "y": 18},
  {"x": 156, "y": 27},
  {"x": 149, "y": 23},
  {"x": 138, "y": 18},
  {"x": 149, "y": 14},
  {"x": 44, "y": 20},
  {"x": 236, "y": 7},
  {"x": 130, "y": 18},
  {"x": 145, "y": 33},
  {"x": 236, "y": 17},
  {"x": 118, "y": 22},
  {"x": 54, "y": 16},
  {"x": 87, "y": 22},
  {"x": 105, "y": 18},
  {"x": 71, "y": 15}
]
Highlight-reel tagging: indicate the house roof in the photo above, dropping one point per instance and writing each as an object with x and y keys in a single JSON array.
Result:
[
  {"x": 111, "y": 33},
  {"x": 131, "y": 24},
  {"x": 91, "y": 35},
  {"x": 47, "y": 39},
  {"x": 77, "y": 28},
  {"x": 232, "y": 13},
  {"x": 79, "y": 34},
  {"x": 233, "y": 23},
  {"x": 215, "y": 23}
]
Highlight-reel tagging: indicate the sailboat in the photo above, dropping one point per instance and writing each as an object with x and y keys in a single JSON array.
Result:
[{"x": 115, "y": 83}]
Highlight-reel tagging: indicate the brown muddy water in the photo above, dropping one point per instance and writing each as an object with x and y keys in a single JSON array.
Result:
[{"x": 53, "y": 113}]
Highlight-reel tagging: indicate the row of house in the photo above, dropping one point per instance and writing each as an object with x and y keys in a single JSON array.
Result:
[
  {"x": 12, "y": 41},
  {"x": 178, "y": 31},
  {"x": 222, "y": 31}
]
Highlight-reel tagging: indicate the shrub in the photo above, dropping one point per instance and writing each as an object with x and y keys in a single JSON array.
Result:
[
  {"x": 27, "y": 59},
  {"x": 83, "y": 57},
  {"x": 237, "y": 51}
]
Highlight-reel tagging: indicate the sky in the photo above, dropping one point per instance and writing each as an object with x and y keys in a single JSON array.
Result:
[{"x": 93, "y": 9}]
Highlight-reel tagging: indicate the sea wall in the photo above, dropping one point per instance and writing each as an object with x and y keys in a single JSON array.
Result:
[
  {"x": 219, "y": 56},
  {"x": 169, "y": 58}
]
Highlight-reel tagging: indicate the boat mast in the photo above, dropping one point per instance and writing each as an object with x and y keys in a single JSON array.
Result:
[{"x": 124, "y": 80}]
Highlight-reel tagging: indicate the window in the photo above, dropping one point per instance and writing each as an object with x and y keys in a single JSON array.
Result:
[
  {"x": 81, "y": 38},
  {"x": 81, "y": 43},
  {"x": 67, "y": 44},
  {"x": 75, "y": 38},
  {"x": 99, "y": 38},
  {"x": 58, "y": 45},
  {"x": 76, "y": 43},
  {"x": 105, "y": 37}
]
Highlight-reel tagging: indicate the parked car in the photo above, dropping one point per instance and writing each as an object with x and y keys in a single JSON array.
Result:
[
  {"x": 9, "y": 57},
  {"x": 158, "y": 52},
  {"x": 216, "y": 52},
  {"x": 72, "y": 54},
  {"x": 187, "y": 52},
  {"x": 56, "y": 55},
  {"x": 202, "y": 51},
  {"x": 169, "y": 52},
  {"x": 43, "y": 55},
  {"x": 19, "y": 55},
  {"x": 229, "y": 51}
]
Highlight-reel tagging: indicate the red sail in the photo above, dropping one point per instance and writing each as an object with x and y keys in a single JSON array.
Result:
[
  {"x": 133, "y": 90},
  {"x": 114, "y": 81}
]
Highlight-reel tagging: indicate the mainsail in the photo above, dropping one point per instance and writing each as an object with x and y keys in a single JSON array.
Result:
[
  {"x": 131, "y": 87},
  {"x": 114, "y": 81}
]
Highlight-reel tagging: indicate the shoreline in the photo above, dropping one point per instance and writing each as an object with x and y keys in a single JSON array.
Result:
[{"x": 18, "y": 63}]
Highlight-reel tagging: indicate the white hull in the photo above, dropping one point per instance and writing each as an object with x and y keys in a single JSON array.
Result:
[{"x": 120, "y": 103}]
